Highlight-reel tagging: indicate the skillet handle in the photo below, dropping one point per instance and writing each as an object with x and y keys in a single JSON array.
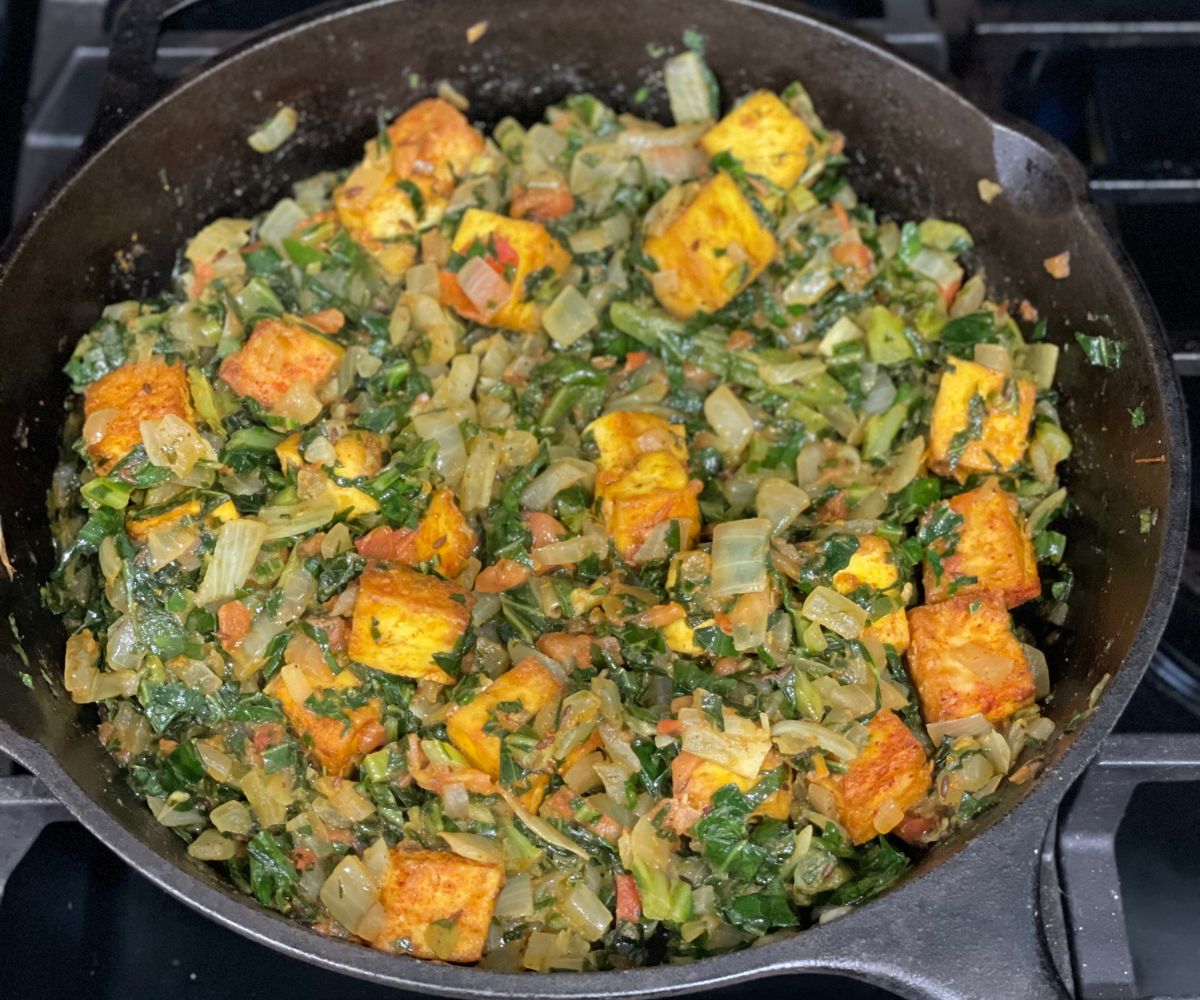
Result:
[{"x": 131, "y": 83}]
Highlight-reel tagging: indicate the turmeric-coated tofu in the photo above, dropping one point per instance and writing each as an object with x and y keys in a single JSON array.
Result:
[
  {"x": 337, "y": 742},
  {"x": 764, "y": 135},
  {"x": 694, "y": 782},
  {"x": 887, "y": 778},
  {"x": 992, "y": 552},
  {"x": 653, "y": 490},
  {"x": 681, "y": 638},
  {"x": 278, "y": 355},
  {"x": 438, "y": 904},
  {"x": 710, "y": 251},
  {"x": 357, "y": 454},
  {"x": 443, "y": 536},
  {"x": 874, "y": 565},
  {"x": 965, "y": 659},
  {"x": 403, "y": 619},
  {"x": 510, "y": 701},
  {"x": 516, "y": 249},
  {"x": 428, "y": 148},
  {"x": 122, "y": 399},
  {"x": 624, "y": 435},
  {"x": 980, "y": 420}
]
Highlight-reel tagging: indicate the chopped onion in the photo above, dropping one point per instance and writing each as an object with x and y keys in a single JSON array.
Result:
[
  {"x": 479, "y": 474},
  {"x": 168, "y": 542},
  {"x": 566, "y": 553},
  {"x": 786, "y": 373},
  {"x": 261, "y": 793},
  {"x": 516, "y": 898},
  {"x": 474, "y": 846},
  {"x": 221, "y": 236},
  {"x": 275, "y": 131},
  {"x": 569, "y": 317},
  {"x": 581, "y": 777},
  {"x": 123, "y": 650},
  {"x": 232, "y": 817},
  {"x": 1040, "y": 362},
  {"x": 238, "y": 544},
  {"x": 689, "y": 88},
  {"x": 1039, "y": 668},
  {"x": 558, "y": 476},
  {"x": 969, "y": 725},
  {"x": 1040, "y": 516},
  {"x": 586, "y": 913},
  {"x": 780, "y": 502},
  {"x": 211, "y": 846},
  {"x": 79, "y": 667},
  {"x": 441, "y": 427},
  {"x": 995, "y": 357},
  {"x": 739, "y": 556},
  {"x": 794, "y": 736},
  {"x": 299, "y": 403},
  {"x": 844, "y": 331},
  {"x": 938, "y": 266},
  {"x": 881, "y": 395},
  {"x": 172, "y": 443},
  {"x": 741, "y": 746},
  {"x": 349, "y": 893},
  {"x": 997, "y": 750},
  {"x": 541, "y": 829},
  {"x": 729, "y": 418},
  {"x": 834, "y": 611},
  {"x": 217, "y": 763},
  {"x": 281, "y": 222},
  {"x": 486, "y": 289},
  {"x": 906, "y": 466}
]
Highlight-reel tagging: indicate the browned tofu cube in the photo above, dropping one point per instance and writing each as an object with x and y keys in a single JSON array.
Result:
[
  {"x": 515, "y": 249},
  {"x": 625, "y": 435},
  {"x": 965, "y": 659},
  {"x": 889, "y": 776},
  {"x": 336, "y": 742},
  {"x": 873, "y": 565},
  {"x": 992, "y": 552},
  {"x": 980, "y": 420},
  {"x": 403, "y": 619},
  {"x": 710, "y": 250},
  {"x": 438, "y": 905},
  {"x": 766, "y": 137},
  {"x": 122, "y": 399},
  {"x": 510, "y": 701},
  {"x": 429, "y": 147},
  {"x": 654, "y": 490},
  {"x": 277, "y": 355},
  {"x": 694, "y": 782},
  {"x": 443, "y": 537}
]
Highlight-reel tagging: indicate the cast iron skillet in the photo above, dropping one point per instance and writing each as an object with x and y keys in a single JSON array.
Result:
[{"x": 965, "y": 924}]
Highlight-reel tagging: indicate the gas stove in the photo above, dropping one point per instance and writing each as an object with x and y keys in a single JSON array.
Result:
[{"x": 1119, "y": 83}]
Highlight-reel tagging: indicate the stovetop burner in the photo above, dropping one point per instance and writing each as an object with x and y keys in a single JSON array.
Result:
[{"x": 1117, "y": 82}]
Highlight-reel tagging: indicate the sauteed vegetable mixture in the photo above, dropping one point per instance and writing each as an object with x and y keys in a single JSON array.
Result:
[{"x": 587, "y": 546}]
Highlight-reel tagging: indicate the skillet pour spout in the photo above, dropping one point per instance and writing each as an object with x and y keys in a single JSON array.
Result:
[{"x": 965, "y": 924}]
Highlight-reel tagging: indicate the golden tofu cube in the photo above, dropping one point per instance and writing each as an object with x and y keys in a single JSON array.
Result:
[
  {"x": 443, "y": 536},
  {"x": 139, "y": 527},
  {"x": 429, "y": 148},
  {"x": 517, "y": 248},
  {"x": 710, "y": 251},
  {"x": 140, "y": 390},
  {"x": 681, "y": 638},
  {"x": 993, "y": 552},
  {"x": 510, "y": 701},
  {"x": 438, "y": 905},
  {"x": 336, "y": 743},
  {"x": 655, "y": 489},
  {"x": 874, "y": 565},
  {"x": 278, "y": 355},
  {"x": 887, "y": 778},
  {"x": 965, "y": 659},
  {"x": 980, "y": 420},
  {"x": 766, "y": 137},
  {"x": 624, "y": 435},
  {"x": 357, "y": 454},
  {"x": 694, "y": 782},
  {"x": 403, "y": 619}
]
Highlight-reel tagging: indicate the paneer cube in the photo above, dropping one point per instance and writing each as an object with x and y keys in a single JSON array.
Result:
[
  {"x": 992, "y": 551},
  {"x": 428, "y": 149},
  {"x": 887, "y": 778},
  {"x": 516, "y": 249},
  {"x": 710, "y": 251},
  {"x": 278, "y": 355},
  {"x": 336, "y": 742},
  {"x": 980, "y": 420},
  {"x": 694, "y": 782},
  {"x": 766, "y": 137},
  {"x": 119, "y": 402},
  {"x": 965, "y": 659},
  {"x": 439, "y": 905},
  {"x": 403, "y": 619},
  {"x": 510, "y": 701},
  {"x": 654, "y": 490},
  {"x": 873, "y": 565},
  {"x": 625, "y": 435}
]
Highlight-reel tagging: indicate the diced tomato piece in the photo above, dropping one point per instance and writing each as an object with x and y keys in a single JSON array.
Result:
[
  {"x": 629, "y": 900},
  {"x": 669, "y": 727},
  {"x": 544, "y": 528},
  {"x": 505, "y": 252},
  {"x": 327, "y": 320},
  {"x": 504, "y": 575},
  {"x": 388, "y": 544},
  {"x": 541, "y": 203},
  {"x": 233, "y": 622}
]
